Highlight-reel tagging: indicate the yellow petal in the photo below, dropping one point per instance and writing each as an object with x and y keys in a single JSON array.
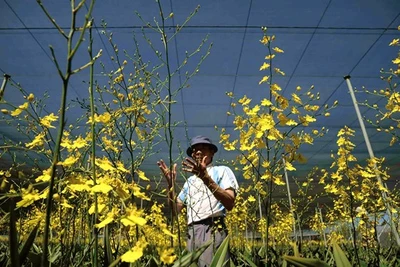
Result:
[
  {"x": 142, "y": 175},
  {"x": 65, "y": 204},
  {"x": 167, "y": 256},
  {"x": 265, "y": 102},
  {"x": 132, "y": 255},
  {"x": 100, "y": 208},
  {"x": 289, "y": 166},
  {"x": 79, "y": 187},
  {"x": 45, "y": 177},
  {"x": 105, "y": 164},
  {"x": 101, "y": 188},
  {"x": 106, "y": 221},
  {"x": 296, "y": 99},
  {"x": 264, "y": 79},
  {"x": 68, "y": 161},
  {"x": 264, "y": 66},
  {"x": 132, "y": 220},
  {"x": 16, "y": 112},
  {"x": 277, "y": 50},
  {"x": 167, "y": 232}
]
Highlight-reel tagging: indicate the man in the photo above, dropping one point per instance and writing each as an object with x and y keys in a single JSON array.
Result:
[{"x": 207, "y": 194}]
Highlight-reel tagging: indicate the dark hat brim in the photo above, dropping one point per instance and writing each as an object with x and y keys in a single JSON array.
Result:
[{"x": 189, "y": 151}]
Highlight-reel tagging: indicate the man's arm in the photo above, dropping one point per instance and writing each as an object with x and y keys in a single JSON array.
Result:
[{"x": 225, "y": 196}]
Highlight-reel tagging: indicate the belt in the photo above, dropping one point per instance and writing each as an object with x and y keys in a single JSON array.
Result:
[{"x": 209, "y": 221}]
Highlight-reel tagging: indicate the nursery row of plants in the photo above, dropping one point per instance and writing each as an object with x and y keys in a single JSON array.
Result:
[{"x": 78, "y": 196}]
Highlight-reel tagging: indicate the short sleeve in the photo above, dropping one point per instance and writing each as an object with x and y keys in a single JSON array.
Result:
[
  {"x": 183, "y": 194},
  {"x": 228, "y": 180}
]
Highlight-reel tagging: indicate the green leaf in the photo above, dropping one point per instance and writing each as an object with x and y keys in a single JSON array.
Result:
[
  {"x": 304, "y": 262},
  {"x": 5, "y": 218},
  {"x": 55, "y": 253},
  {"x": 154, "y": 261},
  {"x": 340, "y": 258},
  {"x": 13, "y": 239},
  {"x": 220, "y": 254},
  {"x": 296, "y": 250},
  {"x": 248, "y": 260},
  {"x": 262, "y": 252},
  {"x": 192, "y": 257},
  {"x": 26, "y": 247},
  {"x": 114, "y": 263}
]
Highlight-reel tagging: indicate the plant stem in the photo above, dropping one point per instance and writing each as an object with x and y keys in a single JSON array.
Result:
[
  {"x": 56, "y": 154},
  {"x": 169, "y": 133},
  {"x": 352, "y": 215},
  {"x": 93, "y": 158},
  {"x": 65, "y": 82}
]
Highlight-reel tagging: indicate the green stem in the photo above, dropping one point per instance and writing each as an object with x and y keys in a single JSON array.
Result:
[
  {"x": 352, "y": 215},
  {"x": 93, "y": 158},
  {"x": 269, "y": 204},
  {"x": 169, "y": 127},
  {"x": 56, "y": 156}
]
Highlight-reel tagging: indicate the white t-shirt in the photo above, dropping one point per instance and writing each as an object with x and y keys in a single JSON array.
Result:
[{"x": 199, "y": 200}]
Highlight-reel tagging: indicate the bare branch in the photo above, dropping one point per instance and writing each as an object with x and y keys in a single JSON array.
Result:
[
  {"x": 88, "y": 64},
  {"x": 52, "y": 20},
  {"x": 56, "y": 62},
  {"x": 79, "y": 6}
]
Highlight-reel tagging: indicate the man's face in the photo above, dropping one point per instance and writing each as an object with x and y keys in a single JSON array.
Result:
[{"x": 202, "y": 150}]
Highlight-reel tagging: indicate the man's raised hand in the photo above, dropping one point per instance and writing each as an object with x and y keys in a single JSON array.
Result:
[
  {"x": 196, "y": 167},
  {"x": 170, "y": 175}
]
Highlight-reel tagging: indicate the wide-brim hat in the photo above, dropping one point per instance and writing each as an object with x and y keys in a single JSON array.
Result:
[{"x": 200, "y": 140}]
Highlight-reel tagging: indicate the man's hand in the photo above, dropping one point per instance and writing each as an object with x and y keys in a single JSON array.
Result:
[
  {"x": 170, "y": 175},
  {"x": 198, "y": 168}
]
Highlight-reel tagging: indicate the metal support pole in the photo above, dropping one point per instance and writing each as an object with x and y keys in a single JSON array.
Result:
[
  {"x": 3, "y": 86},
  {"x": 371, "y": 155}
]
